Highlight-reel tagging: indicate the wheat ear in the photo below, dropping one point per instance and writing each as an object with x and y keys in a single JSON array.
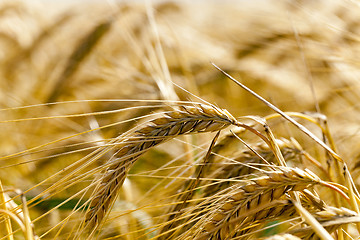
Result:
[
  {"x": 187, "y": 120},
  {"x": 256, "y": 192},
  {"x": 280, "y": 210},
  {"x": 331, "y": 218}
]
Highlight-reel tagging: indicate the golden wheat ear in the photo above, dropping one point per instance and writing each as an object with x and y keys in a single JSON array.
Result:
[
  {"x": 253, "y": 194},
  {"x": 186, "y": 120}
]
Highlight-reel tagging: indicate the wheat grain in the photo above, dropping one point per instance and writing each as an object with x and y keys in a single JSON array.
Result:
[{"x": 190, "y": 119}]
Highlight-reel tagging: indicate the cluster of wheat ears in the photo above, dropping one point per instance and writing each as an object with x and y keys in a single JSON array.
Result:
[{"x": 115, "y": 123}]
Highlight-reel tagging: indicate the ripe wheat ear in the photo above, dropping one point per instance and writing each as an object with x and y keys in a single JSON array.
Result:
[{"x": 186, "y": 120}]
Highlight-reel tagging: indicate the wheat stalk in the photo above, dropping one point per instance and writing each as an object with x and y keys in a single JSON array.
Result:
[{"x": 188, "y": 120}]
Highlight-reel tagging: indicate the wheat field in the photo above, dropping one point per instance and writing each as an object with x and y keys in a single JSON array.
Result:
[{"x": 179, "y": 120}]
